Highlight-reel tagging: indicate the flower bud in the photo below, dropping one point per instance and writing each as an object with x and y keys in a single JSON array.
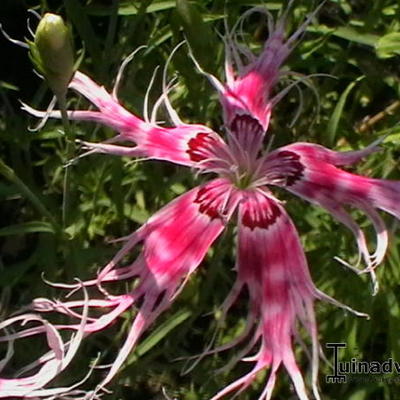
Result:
[{"x": 52, "y": 52}]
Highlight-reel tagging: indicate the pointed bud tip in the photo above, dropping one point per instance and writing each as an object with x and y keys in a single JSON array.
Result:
[{"x": 51, "y": 33}]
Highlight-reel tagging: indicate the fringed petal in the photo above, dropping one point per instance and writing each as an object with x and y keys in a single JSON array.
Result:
[
  {"x": 185, "y": 144},
  {"x": 246, "y": 99},
  {"x": 174, "y": 242},
  {"x": 310, "y": 171},
  {"x": 272, "y": 264},
  {"x": 338, "y": 158},
  {"x": 50, "y": 365}
]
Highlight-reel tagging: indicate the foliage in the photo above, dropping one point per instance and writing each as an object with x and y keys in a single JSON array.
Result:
[{"x": 58, "y": 221}]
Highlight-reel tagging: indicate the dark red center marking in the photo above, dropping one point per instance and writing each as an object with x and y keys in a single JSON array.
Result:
[
  {"x": 200, "y": 146},
  {"x": 261, "y": 215},
  {"x": 246, "y": 125},
  {"x": 291, "y": 166},
  {"x": 206, "y": 202}
]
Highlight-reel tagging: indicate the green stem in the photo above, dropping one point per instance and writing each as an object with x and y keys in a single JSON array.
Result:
[
  {"x": 10, "y": 175},
  {"x": 70, "y": 150},
  {"x": 108, "y": 47},
  {"x": 70, "y": 134}
]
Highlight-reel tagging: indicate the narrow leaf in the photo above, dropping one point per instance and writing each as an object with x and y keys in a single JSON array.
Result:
[
  {"x": 347, "y": 33},
  {"x": 159, "y": 333},
  {"x": 77, "y": 14},
  {"x": 28, "y": 227},
  {"x": 388, "y": 45},
  {"x": 128, "y": 9},
  {"x": 196, "y": 31},
  {"x": 337, "y": 112}
]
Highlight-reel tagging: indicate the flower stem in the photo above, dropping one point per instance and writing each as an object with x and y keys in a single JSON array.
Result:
[
  {"x": 69, "y": 153},
  {"x": 11, "y": 176}
]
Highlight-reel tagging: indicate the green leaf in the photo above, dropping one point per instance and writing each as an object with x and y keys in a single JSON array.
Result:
[
  {"x": 14, "y": 273},
  {"x": 10, "y": 175},
  {"x": 393, "y": 135},
  {"x": 347, "y": 33},
  {"x": 159, "y": 333},
  {"x": 8, "y": 86},
  {"x": 388, "y": 45},
  {"x": 337, "y": 112},
  {"x": 359, "y": 394},
  {"x": 77, "y": 14},
  {"x": 28, "y": 227},
  {"x": 196, "y": 31},
  {"x": 126, "y": 8}
]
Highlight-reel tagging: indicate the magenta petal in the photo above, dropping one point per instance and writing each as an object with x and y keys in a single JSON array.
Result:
[
  {"x": 310, "y": 171},
  {"x": 249, "y": 93},
  {"x": 175, "y": 240},
  {"x": 271, "y": 263},
  {"x": 247, "y": 98},
  {"x": 185, "y": 144}
]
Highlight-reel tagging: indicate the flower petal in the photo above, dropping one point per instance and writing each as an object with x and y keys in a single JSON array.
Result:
[
  {"x": 246, "y": 98},
  {"x": 311, "y": 172},
  {"x": 50, "y": 365},
  {"x": 272, "y": 265},
  {"x": 175, "y": 241},
  {"x": 191, "y": 145}
]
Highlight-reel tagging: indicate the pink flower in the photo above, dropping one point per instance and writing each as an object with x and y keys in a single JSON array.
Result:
[{"x": 270, "y": 264}]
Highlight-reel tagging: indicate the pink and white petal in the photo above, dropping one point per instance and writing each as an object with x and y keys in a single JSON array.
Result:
[
  {"x": 247, "y": 99},
  {"x": 303, "y": 164},
  {"x": 190, "y": 145},
  {"x": 95, "y": 93},
  {"x": 240, "y": 384},
  {"x": 338, "y": 158},
  {"x": 272, "y": 264},
  {"x": 385, "y": 194},
  {"x": 108, "y": 106},
  {"x": 176, "y": 238},
  {"x": 56, "y": 360},
  {"x": 30, "y": 386},
  {"x": 132, "y": 126},
  {"x": 309, "y": 171},
  {"x": 184, "y": 144},
  {"x": 174, "y": 242},
  {"x": 249, "y": 93},
  {"x": 118, "y": 304}
]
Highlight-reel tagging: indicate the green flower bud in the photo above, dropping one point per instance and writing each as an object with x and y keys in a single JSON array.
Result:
[{"x": 52, "y": 52}]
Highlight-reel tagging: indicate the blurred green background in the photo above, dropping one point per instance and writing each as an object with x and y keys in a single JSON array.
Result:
[{"x": 356, "y": 41}]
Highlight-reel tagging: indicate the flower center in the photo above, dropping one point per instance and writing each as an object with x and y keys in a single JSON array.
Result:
[{"x": 242, "y": 179}]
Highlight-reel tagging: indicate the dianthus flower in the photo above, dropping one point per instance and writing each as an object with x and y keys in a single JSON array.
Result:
[{"x": 271, "y": 264}]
